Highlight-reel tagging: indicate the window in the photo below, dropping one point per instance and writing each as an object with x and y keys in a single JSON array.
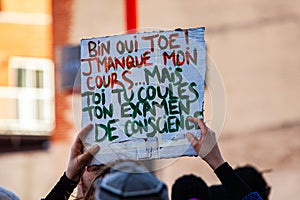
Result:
[{"x": 30, "y": 96}]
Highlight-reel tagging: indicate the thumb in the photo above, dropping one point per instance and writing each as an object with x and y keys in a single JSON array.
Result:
[{"x": 194, "y": 141}]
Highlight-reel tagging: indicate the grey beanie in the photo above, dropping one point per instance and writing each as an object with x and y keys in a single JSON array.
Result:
[
  {"x": 7, "y": 195},
  {"x": 129, "y": 180}
]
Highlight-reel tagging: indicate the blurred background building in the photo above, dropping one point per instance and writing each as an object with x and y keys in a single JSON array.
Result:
[
  {"x": 27, "y": 74},
  {"x": 254, "y": 44}
]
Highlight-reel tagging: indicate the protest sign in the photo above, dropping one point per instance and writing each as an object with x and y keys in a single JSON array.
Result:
[{"x": 138, "y": 91}]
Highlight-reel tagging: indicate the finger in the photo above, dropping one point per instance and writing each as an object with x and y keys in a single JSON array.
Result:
[
  {"x": 200, "y": 123},
  {"x": 85, "y": 130},
  {"x": 88, "y": 155},
  {"x": 94, "y": 168},
  {"x": 94, "y": 149},
  {"x": 191, "y": 138},
  {"x": 202, "y": 126},
  {"x": 77, "y": 144},
  {"x": 194, "y": 141},
  {"x": 192, "y": 119},
  {"x": 81, "y": 135}
]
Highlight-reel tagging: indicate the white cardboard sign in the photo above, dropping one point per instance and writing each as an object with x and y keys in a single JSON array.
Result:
[{"x": 138, "y": 91}]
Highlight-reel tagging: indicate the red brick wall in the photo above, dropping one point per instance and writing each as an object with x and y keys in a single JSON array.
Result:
[{"x": 61, "y": 27}]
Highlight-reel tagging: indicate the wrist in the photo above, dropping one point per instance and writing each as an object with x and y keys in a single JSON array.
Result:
[
  {"x": 215, "y": 163},
  {"x": 71, "y": 176},
  {"x": 69, "y": 180},
  {"x": 214, "y": 160}
]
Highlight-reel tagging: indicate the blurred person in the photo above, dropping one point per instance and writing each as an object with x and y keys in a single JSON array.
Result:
[
  {"x": 116, "y": 180},
  {"x": 207, "y": 148},
  {"x": 6, "y": 194},
  {"x": 251, "y": 176},
  {"x": 190, "y": 187},
  {"x": 255, "y": 180}
]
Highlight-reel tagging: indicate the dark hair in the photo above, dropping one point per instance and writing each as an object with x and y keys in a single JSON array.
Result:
[
  {"x": 188, "y": 187},
  {"x": 254, "y": 179}
]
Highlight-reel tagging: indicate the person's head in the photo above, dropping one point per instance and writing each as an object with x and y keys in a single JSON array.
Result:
[
  {"x": 190, "y": 187},
  {"x": 251, "y": 176},
  {"x": 218, "y": 192},
  {"x": 131, "y": 181},
  {"x": 7, "y": 195},
  {"x": 254, "y": 179}
]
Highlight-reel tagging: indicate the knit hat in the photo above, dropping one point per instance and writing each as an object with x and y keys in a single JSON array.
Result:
[
  {"x": 189, "y": 187},
  {"x": 129, "y": 180},
  {"x": 7, "y": 195}
]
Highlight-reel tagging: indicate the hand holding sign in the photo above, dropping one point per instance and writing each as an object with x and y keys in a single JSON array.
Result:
[
  {"x": 79, "y": 159},
  {"x": 206, "y": 146}
]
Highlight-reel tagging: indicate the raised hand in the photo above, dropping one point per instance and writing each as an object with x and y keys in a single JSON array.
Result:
[
  {"x": 78, "y": 158},
  {"x": 206, "y": 146}
]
